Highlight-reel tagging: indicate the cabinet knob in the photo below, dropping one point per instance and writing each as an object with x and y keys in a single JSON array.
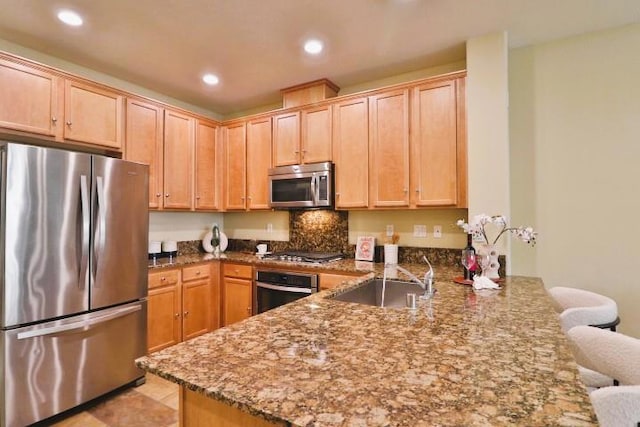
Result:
[
  {"x": 69, "y": 123},
  {"x": 166, "y": 195},
  {"x": 417, "y": 190},
  {"x": 197, "y": 197},
  {"x": 158, "y": 194},
  {"x": 198, "y": 273},
  {"x": 162, "y": 279},
  {"x": 186, "y": 313},
  {"x": 249, "y": 310},
  {"x": 337, "y": 194},
  {"x": 54, "y": 119},
  {"x": 177, "y": 315},
  {"x": 406, "y": 190}
]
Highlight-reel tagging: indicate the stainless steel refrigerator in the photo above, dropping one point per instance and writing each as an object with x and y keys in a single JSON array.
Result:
[{"x": 73, "y": 278}]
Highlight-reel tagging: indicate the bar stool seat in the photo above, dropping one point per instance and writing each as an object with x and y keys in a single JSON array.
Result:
[
  {"x": 580, "y": 307},
  {"x": 615, "y": 355}
]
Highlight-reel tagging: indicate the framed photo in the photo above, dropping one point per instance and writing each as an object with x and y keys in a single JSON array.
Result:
[{"x": 365, "y": 248}]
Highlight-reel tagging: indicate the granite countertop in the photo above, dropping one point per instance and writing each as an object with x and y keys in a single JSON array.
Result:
[
  {"x": 348, "y": 265},
  {"x": 463, "y": 358}
]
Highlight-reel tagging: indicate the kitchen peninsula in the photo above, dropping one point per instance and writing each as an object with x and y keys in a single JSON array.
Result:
[{"x": 463, "y": 358}]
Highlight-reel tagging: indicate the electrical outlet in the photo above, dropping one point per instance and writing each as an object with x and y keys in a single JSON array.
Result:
[
  {"x": 419, "y": 231},
  {"x": 437, "y": 231},
  {"x": 389, "y": 230},
  {"x": 269, "y": 228}
]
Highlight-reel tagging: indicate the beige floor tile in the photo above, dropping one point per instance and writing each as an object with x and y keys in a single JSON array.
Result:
[
  {"x": 157, "y": 388},
  {"x": 82, "y": 419},
  {"x": 171, "y": 400}
]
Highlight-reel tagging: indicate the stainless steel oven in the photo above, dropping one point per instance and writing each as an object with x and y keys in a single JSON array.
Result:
[
  {"x": 276, "y": 288},
  {"x": 301, "y": 186}
]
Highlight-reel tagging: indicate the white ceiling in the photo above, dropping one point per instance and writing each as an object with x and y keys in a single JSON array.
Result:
[{"x": 255, "y": 46}]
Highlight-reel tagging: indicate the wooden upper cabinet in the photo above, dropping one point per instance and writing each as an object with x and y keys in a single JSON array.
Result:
[
  {"x": 350, "y": 153},
  {"x": 93, "y": 115},
  {"x": 179, "y": 135},
  {"x": 206, "y": 178},
  {"x": 434, "y": 144},
  {"x": 259, "y": 162},
  {"x": 143, "y": 143},
  {"x": 30, "y": 99},
  {"x": 315, "y": 125},
  {"x": 286, "y": 139},
  {"x": 389, "y": 148},
  {"x": 235, "y": 166}
]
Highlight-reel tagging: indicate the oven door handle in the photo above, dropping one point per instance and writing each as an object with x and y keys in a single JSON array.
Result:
[{"x": 283, "y": 288}]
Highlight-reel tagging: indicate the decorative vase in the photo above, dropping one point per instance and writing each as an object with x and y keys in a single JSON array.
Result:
[{"x": 489, "y": 261}]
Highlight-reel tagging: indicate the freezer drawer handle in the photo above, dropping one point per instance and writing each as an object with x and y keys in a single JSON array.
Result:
[
  {"x": 84, "y": 325},
  {"x": 84, "y": 260}
]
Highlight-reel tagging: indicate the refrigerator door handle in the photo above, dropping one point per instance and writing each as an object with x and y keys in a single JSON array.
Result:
[
  {"x": 84, "y": 203},
  {"x": 83, "y": 325},
  {"x": 102, "y": 223}
]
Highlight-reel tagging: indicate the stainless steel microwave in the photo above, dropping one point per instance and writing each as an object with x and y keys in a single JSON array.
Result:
[{"x": 301, "y": 186}]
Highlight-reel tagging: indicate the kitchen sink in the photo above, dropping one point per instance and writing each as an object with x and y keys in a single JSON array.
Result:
[{"x": 371, "y": 293}]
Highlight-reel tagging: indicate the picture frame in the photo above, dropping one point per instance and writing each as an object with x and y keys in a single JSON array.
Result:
[{"x": 365, "y": 248}]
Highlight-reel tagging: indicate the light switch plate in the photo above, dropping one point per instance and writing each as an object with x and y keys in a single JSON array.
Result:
[
  {"x": 389, "y": 230},
  {"x": 419, "y": 231}
]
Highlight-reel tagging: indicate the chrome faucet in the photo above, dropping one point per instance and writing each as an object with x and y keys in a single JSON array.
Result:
[{"x": 427, "y": 285}]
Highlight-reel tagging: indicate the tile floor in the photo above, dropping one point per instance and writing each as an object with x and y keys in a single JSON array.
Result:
[{"x": 153, "y": 404}]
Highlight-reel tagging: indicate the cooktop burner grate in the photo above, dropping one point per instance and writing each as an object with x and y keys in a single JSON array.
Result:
[{"x": 305, "y": 256}]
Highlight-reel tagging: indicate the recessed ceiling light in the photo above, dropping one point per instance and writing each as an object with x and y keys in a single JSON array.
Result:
[
  {"x": 70, "y": 17},
  {"x": 313, "y": 46},
  {"x": 210, "y": 79}
]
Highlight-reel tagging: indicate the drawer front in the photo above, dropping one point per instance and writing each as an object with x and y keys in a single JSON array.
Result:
[
  {"x": 196, "y": 272},
  {"x": 163, "y": 278},
  {"x": 237, "y": 270}
]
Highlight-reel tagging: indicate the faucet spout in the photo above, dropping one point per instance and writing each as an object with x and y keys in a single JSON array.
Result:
[{"x": 426, "y": 285}]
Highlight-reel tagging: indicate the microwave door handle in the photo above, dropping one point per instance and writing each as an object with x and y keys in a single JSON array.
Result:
[{"x": 314, "y": 190}]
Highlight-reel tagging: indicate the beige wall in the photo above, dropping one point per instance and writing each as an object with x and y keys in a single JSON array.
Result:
[
  {"x": 181, "y": 226},
  {"x": 488, "y": 128},
  {"x": 253, "y": 225},
  {"x": 373, "y": 223},
  {"x": 575, "y": 137}
]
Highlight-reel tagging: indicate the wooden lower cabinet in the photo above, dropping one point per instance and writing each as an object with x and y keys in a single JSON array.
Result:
[
  {"x": 197, "y": 410},
  {"x": 163, "y": 315},
  {"x": 183, "y": 304},
  {"x": 237, "y": 282}
]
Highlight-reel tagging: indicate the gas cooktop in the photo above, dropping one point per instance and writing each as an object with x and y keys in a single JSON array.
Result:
[{"x": 304, "y": 256}]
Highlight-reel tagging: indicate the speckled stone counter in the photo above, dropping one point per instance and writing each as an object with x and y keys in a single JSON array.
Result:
[{"x": 463, "y": 358}]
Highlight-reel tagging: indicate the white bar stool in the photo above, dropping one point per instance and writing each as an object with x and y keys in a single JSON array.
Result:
[
  {"x": 579, "y": 307},
  {"x": 617, "y": 356}
]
